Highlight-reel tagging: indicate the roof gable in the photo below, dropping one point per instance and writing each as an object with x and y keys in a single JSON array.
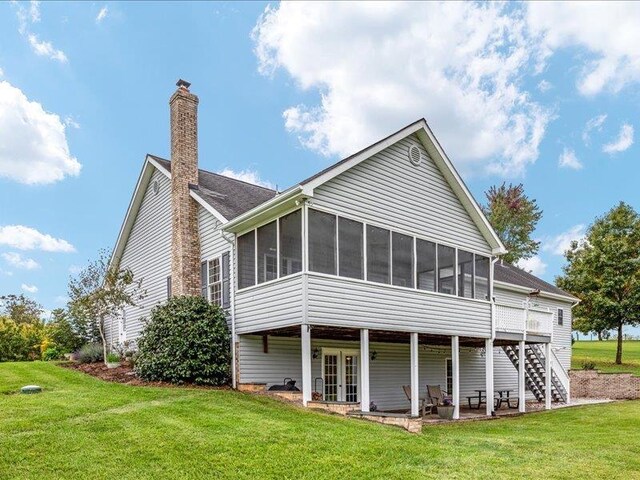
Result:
[{"x": 422, "y": 131}]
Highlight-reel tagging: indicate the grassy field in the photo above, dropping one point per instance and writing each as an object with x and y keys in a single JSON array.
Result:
[
  {"x": 603, "y": 354},
  {"x": 81, "y": 427}
]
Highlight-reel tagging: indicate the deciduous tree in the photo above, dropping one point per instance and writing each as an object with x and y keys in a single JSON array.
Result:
[
  {"x": 514, "y": 217},
  {"x": 603, "y": 271},
  {"x": 100, "y": 292}
]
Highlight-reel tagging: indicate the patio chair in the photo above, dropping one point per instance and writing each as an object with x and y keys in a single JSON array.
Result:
[
  {"x": 436, "y": 395},
  {"x": 421, "y": 400}
]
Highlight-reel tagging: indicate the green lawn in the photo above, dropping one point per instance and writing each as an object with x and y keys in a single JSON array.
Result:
[
  {"x": 81, "y": 427},
  {"x": 603, "y": 354}
]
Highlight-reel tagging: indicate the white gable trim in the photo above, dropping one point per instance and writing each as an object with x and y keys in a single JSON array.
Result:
[
  {"x": 424, "y": 133},
  {"x": 150, "y": 164},
  {"x": 134, "y": 205}
]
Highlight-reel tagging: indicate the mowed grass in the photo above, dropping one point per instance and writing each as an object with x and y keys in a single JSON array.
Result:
[
  {"x": 603, "y": 354},
  {"x": 81, "y": 427}
]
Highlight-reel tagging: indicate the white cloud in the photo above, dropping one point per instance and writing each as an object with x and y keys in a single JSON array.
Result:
[
  {"x": 544, "y": 86},
  {"x": 1, "y": 73},
  {"x": 27, "y": 17},
  {"x": 33, "y": 142},
  {"x": 622, "y": 143},
  {"x": 6, "y": 272},
  {"x": 533, "y": 265},
  {"x": 26, "y": 238},
  {"x": 249, "y": 176},
  {"x": 70, "y": 122},
  {"x": 594, "y": 123},
  {"x": 561, "y": 243},
  {"x": 380, "y": 66},
  {"x": 607, "y": 30},
  {"x": 16, "y": 260},
  {"x": 29, "y": 288},
  {"x": 46, "y": 49},
  {"x": 568, "y": 159},
  {"x": 102, "y": 14}
]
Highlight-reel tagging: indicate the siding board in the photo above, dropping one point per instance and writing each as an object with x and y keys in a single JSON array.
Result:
[
  {"x": 346, "y": 303},
  {"x": 418, "y": 199}
]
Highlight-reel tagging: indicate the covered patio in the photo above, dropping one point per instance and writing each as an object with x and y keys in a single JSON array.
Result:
[{"x": 345, "y": 383}]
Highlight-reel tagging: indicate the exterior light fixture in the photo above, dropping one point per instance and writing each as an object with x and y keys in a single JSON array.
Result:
[
  {"x": 316, "y": 352},
  {"x": 374, "y": 355}
]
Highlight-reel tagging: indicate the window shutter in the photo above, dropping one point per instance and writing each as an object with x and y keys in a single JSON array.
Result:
[
  {"x": 204, "y": 281},
  {"x": 169, "y": 287},
  {"x": 226, "y": 284}
]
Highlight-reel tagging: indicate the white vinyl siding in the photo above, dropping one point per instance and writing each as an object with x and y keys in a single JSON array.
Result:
[
  {"x": 148, "y": 254},
  {"x": 387, "y": 189},
  {"x": 352, "y": 303},
  {"x": 273, "y": 305}
]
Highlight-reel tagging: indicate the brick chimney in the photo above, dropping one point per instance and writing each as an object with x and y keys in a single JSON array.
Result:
[{"x": 185, "y": 241}]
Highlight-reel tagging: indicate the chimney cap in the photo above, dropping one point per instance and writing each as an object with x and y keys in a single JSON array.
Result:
[{"x": 183, "y": 83}]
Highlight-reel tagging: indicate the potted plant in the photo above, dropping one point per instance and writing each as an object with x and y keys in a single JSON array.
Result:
[
  {"x": 113, "y": 360},
  {"x": 445, "y": 411}
]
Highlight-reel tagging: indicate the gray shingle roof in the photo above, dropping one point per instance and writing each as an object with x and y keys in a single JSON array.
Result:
[
  {"x": 227, "y": 195},
  {"x": 507, "y": 273}
]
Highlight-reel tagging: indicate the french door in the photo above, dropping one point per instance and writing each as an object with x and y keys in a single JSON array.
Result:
[{"x": 340, "y": 375}]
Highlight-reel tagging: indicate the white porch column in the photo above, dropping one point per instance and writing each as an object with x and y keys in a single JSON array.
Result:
[
  {"x": 364, "y": 370},
  {"x": 305, "y": 340},
  {"x": 521, "y": 385},
  {"x": 547, "y": 376},
  {"x": 415, "y": 387},
  {"x": 488, "y": 359},
  {"x": 455, "y": 366}
]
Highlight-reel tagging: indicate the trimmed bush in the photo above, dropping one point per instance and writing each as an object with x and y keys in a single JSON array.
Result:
[
  {"x": 90, "y": 353},
  {"x": 185, "y": 341}
]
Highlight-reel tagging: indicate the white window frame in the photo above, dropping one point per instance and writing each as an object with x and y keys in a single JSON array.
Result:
[
  {"x": 446, "y": 375},
  {"x": 220, "y": 280}
]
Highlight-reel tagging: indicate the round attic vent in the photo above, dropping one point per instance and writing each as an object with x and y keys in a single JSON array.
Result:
[
  {"x": 156, "y": 187},
  {"x": 414, "y": 155}
]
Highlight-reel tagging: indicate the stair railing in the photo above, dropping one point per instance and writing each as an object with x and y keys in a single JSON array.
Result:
[{"x": 561, "y": 373}]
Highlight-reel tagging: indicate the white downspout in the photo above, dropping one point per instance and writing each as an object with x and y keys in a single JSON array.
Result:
[{"x": 232, "y": 295}]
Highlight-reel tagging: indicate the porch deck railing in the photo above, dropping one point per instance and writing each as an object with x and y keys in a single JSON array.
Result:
[{"x": 512, "y": 319}]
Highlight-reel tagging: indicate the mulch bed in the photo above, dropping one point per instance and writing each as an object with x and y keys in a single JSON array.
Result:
[{"x": 125, "y": 374}]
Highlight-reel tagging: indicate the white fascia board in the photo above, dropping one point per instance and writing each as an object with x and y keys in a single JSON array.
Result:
[
  {"x": 134, "y": 205},
  {"x": 527, "y": 290},
  {"x": 265, "y": 207},
  {"x": 364, "y": 154},
  {"x": 460, "y": 188},
  {"x": 207, "y": 207}
]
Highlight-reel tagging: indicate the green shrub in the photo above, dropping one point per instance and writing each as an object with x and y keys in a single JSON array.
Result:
[
  {"x": 588, "y": 365},
  {"x": 113, "y": 357},
  {"x": 20, "y": 341},
  {"x": 186, "y": 340},
  {"x": 90, "y": 353},
  {"x": 52, "y": 353},
  {"x": 61, "y": 334}
]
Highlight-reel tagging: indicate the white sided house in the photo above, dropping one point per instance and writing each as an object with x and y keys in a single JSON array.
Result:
[{"x": 377, "y": 273}]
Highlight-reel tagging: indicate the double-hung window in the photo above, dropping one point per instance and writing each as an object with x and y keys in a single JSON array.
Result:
[{"x": 215, "y": 280}]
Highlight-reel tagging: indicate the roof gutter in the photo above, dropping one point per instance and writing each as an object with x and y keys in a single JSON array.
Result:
[{"x": 539, "y": 293}]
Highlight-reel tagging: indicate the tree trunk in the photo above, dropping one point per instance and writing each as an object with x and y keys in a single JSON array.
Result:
[
  {"x": 619, "y": 350},
  {"x": 599, "y": 335},
  {"x": 104, "y": 340}
]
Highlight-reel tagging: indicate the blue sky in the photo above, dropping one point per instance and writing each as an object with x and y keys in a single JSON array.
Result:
[{"x": 543, "y": 94}]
